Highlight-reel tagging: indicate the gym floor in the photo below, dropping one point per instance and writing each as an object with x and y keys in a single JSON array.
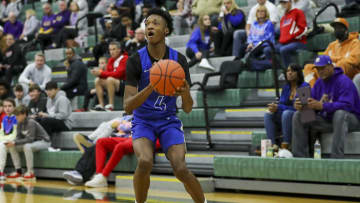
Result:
[{"x": 51, "y": 191}]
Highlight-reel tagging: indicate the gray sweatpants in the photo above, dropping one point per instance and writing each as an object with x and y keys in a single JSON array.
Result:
[
  {"x": 342, "y": 123},
  {"x": 28, "y": 150}
]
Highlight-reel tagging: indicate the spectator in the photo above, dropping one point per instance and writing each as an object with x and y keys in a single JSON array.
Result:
[
  {"x": 36, "y": 73},
  {"x": 13, "y": 26},
  {"x": 137, "y": 42},
  {"x": 83, "y": 5},
  {"x": 262, "y": 29},
  {"x": 292, "y": 33},
  {"x": 144, "y": 13},
  {"x": 231, "y": 18},
  {"x": 280, "y": 115},
  {"x": 198, "y": 47},
  {"x": 20, "y": 98},
  {"x": 306, "y": 7},
  {"x": 5, "y": 91},
  {"x": 14, "y": 60},
  {"x": 8, "y": 133},
  {"x": 13, "y": 6},
  {"x": 38, "y": 101},
  {"x": 57, "y": 117},
  {"x": 31, "y": 137},
  {"x": 62, "y": 19},
  {"x": 76, "y": 82},
  {"x": 69, "y": 32},
  {"x": 240, "y": 36},
  {"x": 3, "y": 45},
  {"x": 128, "y": 27},
  {"x": 344, "y": 52},
  {"x": 335, "y": 99},
  {"x": 206, "y": 7},
  {"x": 102, "y": 6},
  {"x": 110, "y": 79},
  {"x": 183, "y": 18},
  {"x": 92, "y": 93},
  {"x": 31, "y": 26},
  {"x": 46, "y": 32}
]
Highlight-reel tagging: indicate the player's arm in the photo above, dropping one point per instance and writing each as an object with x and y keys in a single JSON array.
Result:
[
  {"x": 133, "y": 99},
  {"x": 184, "y": 91}
]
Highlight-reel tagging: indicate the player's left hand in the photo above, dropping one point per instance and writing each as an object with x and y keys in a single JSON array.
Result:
[{"x": 180, "y": 91}]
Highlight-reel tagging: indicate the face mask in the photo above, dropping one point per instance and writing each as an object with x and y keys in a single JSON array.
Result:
[{"x": 340, "y": 35}]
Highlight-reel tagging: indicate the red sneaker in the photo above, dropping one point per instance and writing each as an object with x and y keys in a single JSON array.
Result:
[
  {"x": 79, "y": 110},
  {"x": 2, "y": 176},
  {"x": 29, "y": 176},
  {"x": 14, "y": 175}
]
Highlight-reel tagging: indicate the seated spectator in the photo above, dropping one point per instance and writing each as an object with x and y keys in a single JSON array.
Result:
[
  {"x": 46, "y": 31},
  {"x": 37, "y": 102},
  {"x": 102, "y": 6},
  {"x": 293, "y": 28},
  {"x": 231, "y": 18},
  {"x": 240, "y": 36},
  {"x": 13, "y": 6},
  {"x": 138, "y": 42},
  {"x": 5, "y": 91},
  {"x": 36, "y": 73},
  {"x": 76, "y": 82},
  {"x": 344, "y": 52},
  {"x": 110, "y": 79},
  {"x": 13, "y": 26},
  {"x": 262, "y": 29},
  {"x": 31, "y": 26},
  {"x": 57, "y": 117},
  {"x": 8, "y": 133},
  {"x": 198, "y": 46},
  {"x": 20, "y": 97},
  {"x": 280, "y": 114},
  {"x": 335, "y": 99},
  {"x": 14, "y": 60},
  {"x": 205, "y": 7},
  {"x": 69, "y": 32},
  {"x": 128, "y": 27},
  {"x": 306, "y": 7},
  {"x": 144, "y": 13},
  {"x": 31, "y": 137},
  {"x": 92, "y": 93},
  {"x": 183, "y": 18},
  {"x": 62, "y": 19}
]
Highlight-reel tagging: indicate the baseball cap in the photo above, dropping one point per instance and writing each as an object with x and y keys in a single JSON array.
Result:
[
  {"x": 340, "y": 20},
  {"x": 322, "y": 60}
]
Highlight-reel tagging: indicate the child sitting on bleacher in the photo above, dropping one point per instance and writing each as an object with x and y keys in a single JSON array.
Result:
[
  {"x": 20, "y": 98},
  {"x": 7, "y": 134},
  {"x": 30, "y": 137}
]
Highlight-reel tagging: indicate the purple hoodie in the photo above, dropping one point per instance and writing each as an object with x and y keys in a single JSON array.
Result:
[
  {"x": 14, "y": 28},
  {"x": 342, "y": 94}
]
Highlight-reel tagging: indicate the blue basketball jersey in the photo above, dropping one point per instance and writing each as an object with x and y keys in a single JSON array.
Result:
[{"x": 156, "y": 106}]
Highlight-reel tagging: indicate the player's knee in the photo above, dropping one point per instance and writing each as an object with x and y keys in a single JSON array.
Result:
[
  {"x": 110, "y": 80},
  {"x": 27, "y": 148},
  {"x": 97, "y": 81},
  {"x": 181, "y": 172},
  {"x": 145, "y": 163}
]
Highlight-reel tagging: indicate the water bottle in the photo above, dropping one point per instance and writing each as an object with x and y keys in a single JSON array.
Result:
[{"x": 317, "y": 150}]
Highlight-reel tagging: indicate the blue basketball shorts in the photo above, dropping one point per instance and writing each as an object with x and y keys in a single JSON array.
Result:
[{"x": 168, "y": 130}]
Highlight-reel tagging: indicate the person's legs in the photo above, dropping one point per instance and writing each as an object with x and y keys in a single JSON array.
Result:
[
  {"x": 226, "y": 45},
  {"x": 112, "y": 85},
  {"x": 356, "y": 81},
  {"x": 300, "y": 139},
  {"x": 123, "y": 147},
  {"x": 270, "y": 126},
  {"x": 14, "y": 153},
  {"x": 103, "y": 146},
  {"x": 29, "y": 148},
  {"x": 287, "y": 51},
  {"x": 99, "y": 86},
  {"x": 3, "y": 156},
  {"x": 218, "y": 39},
  {"x": 52, "y": 125},
  {"x": 176, "y": 156},
  {"x": 286, "y": 123},
  {"x": 191, "y": 55},
  {"x": 239, "y": 39},
  {"x": 81, "y": 142}
]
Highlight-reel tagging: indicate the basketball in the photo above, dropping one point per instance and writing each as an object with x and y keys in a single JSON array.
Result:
[{"x": 166, "y": 76}]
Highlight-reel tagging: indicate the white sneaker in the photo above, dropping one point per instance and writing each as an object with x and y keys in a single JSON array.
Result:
[
  {"x": 98, "y": 181},
  {"x": 73, "y": 176},
  {"x": 204, "y": 63},
  {"x": 109, "y": 107}
]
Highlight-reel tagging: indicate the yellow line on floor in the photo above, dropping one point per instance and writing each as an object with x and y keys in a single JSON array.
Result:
[
  {"x": 246, "y": 110},
  {"x": 227, "y": 132},
  {"x": 191, "y": 155},
  {"x": 59, "y": 73},
  {"x": 151, "y": 178}
]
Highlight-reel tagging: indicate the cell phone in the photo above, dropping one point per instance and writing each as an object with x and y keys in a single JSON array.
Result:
[{"x": 304, "y": 93}]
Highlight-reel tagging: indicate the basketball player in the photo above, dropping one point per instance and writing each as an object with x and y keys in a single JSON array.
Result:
[{"x": 155, "y": 114}]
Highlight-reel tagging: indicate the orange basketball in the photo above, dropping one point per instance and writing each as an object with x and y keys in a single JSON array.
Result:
[{"x": 166, "y": 76}]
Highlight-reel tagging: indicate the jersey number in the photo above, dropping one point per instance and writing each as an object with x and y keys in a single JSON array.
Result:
[{"x": 159, "y": 104}]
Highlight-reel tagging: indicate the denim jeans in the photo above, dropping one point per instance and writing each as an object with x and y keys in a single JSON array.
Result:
[
  {"x": 286, "y": 51},
  {"x": 239, "y": 43},
  {"x": 274, "y": 121}
]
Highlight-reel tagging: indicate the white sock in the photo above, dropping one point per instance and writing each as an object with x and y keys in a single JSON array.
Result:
[{"x": 205, "y": 201}]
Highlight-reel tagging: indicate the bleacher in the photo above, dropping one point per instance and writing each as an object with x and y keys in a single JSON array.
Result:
[{"x": 220, "y": 145}]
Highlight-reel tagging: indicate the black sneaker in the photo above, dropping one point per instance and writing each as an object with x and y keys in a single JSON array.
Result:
[{"x": 98, "y": 108}]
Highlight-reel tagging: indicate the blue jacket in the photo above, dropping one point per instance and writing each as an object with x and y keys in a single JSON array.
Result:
[
  {"x": 196, "y": 43},
  {"x": 341, "y": 92},
  {"x": 14, "y": 29},
  {"x": 237, "y": 21},
  {"x": 61, "y": 19},
  {"x": 285, "y": 103},
  {"x": 262, "y": 32}
]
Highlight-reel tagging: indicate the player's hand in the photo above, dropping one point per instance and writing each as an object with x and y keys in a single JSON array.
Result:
[
  {"x": 315, "y": 104},
  {"x": 272, "y": 107},
  {"x": 198, "y": 55},
  {"x": 297, "y": 104},
  {"x": 180, "y": 91}
]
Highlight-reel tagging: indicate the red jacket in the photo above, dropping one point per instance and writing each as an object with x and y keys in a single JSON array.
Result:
[
  {"x": 116, "y": 68},
  {"x": 293, "y": 27}
]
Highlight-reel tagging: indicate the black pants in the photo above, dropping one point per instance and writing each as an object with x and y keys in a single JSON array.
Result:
[
  {"x": 223, "y": 43},
  {"x": 8, "y": 74},
  {"x": 63, "y": 35},
  {"x": 86, "y": 165},
  {"x": 52, "y": 125},
  {"x": 89, "y": 96},
  {"x": 45, "y": 40},
  {"x": 190, "y": 54}
]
